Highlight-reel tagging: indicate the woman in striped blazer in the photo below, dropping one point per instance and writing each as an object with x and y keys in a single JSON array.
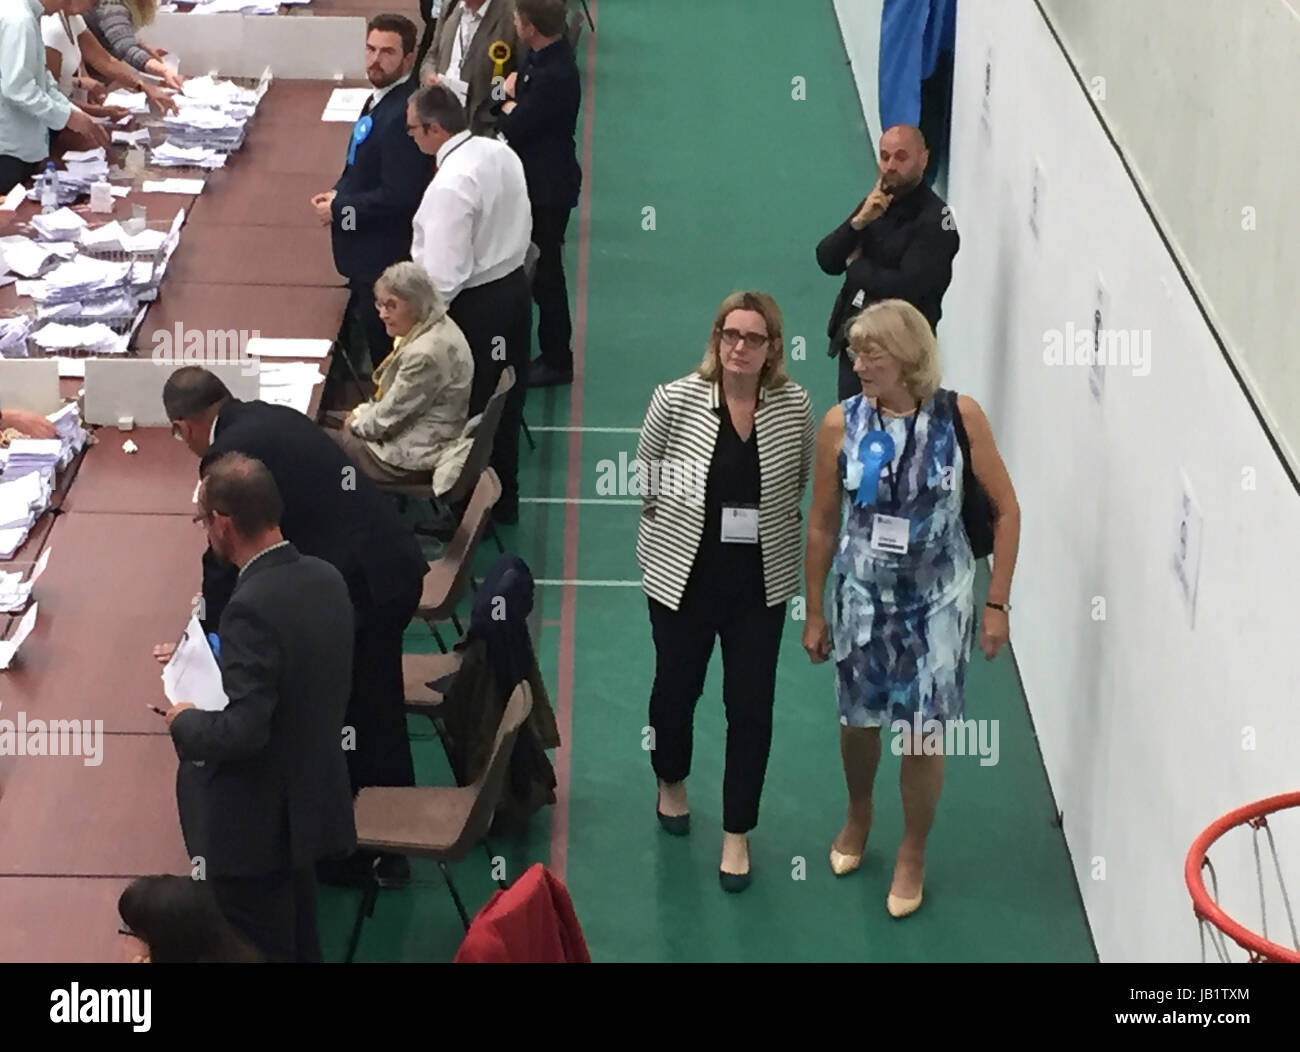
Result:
[{"x": 724, "y": 457}]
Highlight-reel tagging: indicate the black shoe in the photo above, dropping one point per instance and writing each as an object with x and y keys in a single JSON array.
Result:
[
  {"x": 543, "y": 374},
  {"x": 733, "y": 882}
]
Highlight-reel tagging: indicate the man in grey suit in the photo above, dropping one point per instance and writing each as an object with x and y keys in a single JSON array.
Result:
[
  {"x": 263, "y": 786},
  {"x": 475, "y": 48}
]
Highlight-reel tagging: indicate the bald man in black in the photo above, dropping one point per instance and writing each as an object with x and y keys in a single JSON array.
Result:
[{"x": 898, "y": 244}]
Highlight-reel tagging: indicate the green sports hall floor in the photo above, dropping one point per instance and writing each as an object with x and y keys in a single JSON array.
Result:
[{"x": 688, "y": 110}]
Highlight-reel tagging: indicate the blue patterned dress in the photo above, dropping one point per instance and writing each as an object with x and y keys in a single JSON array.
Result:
[{"x": 902, "y": 626}]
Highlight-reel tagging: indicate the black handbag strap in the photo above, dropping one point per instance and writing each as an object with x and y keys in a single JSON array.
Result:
[{"x": 950, "y": 399}]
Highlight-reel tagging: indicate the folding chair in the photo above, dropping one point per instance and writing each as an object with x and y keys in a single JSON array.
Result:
[
  {"x": 443, "y": 824},
  {"x": 449, "y": 578}
]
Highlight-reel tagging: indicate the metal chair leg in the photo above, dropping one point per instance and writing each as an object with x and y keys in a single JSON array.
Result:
[
  {"x": 496, "y": 538},
  {"x": 455, "y": 623},
  {"x": 587, "y": 11},
  {"x": 365, "y": 908},
  {"x": 455, "y": 895},
  {"x": 437, "y": 637},
  {"x": 528, "y": 435}
]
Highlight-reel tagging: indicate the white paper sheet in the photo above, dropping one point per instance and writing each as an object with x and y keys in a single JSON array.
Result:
[
  {"x": 9, "y": 647},
  {"x": 266, "y": 347},
  {"x": 345, "y": 105},
  {"x": 172, "y": 186},
  {"x": 193, "y": 674}
]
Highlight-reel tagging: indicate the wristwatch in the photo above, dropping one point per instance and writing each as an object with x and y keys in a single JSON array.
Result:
[{"x": 1004, "y": 607}]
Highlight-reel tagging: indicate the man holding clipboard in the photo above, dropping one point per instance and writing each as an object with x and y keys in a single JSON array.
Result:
[{"x": 263, "y": 788}]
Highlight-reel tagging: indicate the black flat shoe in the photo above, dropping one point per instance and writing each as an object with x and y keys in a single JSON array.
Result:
[
  {"x": 733, "y": 882},
  {"x": 540, "y": 374}
]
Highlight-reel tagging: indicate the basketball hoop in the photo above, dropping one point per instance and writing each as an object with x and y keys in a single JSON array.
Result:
[{"x": 1258, "y": 947}]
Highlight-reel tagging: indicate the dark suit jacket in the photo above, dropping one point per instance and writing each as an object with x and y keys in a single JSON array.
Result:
[
  {"x": 272, "y": 791},
  {"x": 907, "y": 254},
  {"x": 382, "y": 188},
  {"x": 543, "y": 126},
  {"x": 477, "y": 70},
  {"x": 331, "y": 510}
]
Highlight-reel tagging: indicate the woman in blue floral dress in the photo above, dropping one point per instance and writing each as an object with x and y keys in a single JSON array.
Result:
[{"x": 886, "y": 528}]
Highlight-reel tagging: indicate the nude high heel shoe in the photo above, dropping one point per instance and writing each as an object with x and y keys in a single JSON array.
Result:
[{"x": 899, "y": 907}]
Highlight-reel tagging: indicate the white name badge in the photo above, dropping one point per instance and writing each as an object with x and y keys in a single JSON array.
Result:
[
  {"x": 739, "y": 524},
  {"x": 890, "y": 534}
]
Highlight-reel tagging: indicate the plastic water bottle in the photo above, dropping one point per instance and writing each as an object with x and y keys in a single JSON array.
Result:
[{"x": 50, "y": 188}]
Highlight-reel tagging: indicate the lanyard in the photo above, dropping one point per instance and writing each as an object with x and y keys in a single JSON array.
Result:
[
  {"x": 438, "y": 164},
  {"x": 902, "y": 461}
]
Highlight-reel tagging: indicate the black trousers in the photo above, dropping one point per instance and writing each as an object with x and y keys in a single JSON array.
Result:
[
  {"x": 377, "y": 707},
  {"x": 362, "y": 304},
  {"x": 497, "y": 320},
  {"x": 751, "y": 639},
  {"x": 550, "y": 291},
  {"x": 277, "y": 913},
  {"x": 13, "y": 171}
]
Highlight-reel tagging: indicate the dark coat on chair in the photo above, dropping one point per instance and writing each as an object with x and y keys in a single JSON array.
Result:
[
  {"x": 263, "y": 784},
  {"x": 331, "y": 510},
  {"x": 378, "y": 193},
  {"x": 497, "y": 653}
]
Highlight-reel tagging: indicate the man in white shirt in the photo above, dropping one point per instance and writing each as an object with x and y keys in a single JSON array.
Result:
[
  {"x": 31, "y": 106},
  {"x": 471, "y": 233}
]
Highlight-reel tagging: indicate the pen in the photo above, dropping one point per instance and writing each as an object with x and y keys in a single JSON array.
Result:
[{"x": 161, "y": 712}]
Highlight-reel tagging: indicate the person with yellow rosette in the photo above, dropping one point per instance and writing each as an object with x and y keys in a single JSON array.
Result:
[{"x": 475, "y": 48}]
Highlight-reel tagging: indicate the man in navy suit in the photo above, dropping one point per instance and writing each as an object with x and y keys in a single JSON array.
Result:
[
  {"x": 539, "y": 119},
  {"x": 371, "y": 207}
]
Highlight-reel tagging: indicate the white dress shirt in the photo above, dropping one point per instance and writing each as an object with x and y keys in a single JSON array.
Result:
[
  {"x": 466, "y": 30},
  {"x": 31, "y": 105},
  {"x": 474, "y": 223},
  {"x": 56, "y": 37},
  {"x": 377, "y": 94}
]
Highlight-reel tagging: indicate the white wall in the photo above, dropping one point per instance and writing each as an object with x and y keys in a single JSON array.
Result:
[
  {"x": 860, "y": 28},
  {"x": 1202, "y": 98},
  {"x": 1141, "y": 716}
]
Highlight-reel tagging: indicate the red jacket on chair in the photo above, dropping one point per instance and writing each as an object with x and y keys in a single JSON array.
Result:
[{"x": 531, "y": 922}]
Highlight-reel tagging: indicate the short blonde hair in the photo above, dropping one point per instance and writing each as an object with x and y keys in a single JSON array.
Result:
[
  {"x": 773, "y": 374},
  {"x": 142, "y": 12},
  {"x": 902, "y": 332}
]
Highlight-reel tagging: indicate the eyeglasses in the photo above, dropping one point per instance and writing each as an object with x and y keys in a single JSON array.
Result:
[
  {"x": 201, "y": 518},
  {"x": 127, "y": 931},
  {"x": 755, "y": 341},
  {"x": 389, "y": 305}
]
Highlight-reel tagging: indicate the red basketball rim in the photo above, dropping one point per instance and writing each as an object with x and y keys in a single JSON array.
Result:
[{"x": 1205, "y": 908}]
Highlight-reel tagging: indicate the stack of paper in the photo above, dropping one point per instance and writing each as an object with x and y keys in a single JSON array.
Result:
[
  {"x": 131, "y": 138},
  {"x": 345, "y": 104},
  {"x": 26, "y": 455},
  {"x": 9, "y": 647},
  {"x": 244, "y": 7},
  {"x": 63, "y": 224},
  {"x": 14, "y": 591},
  {"x": 197, "y": 125},
  {"x": 81, "y": 279},
  {"x": 21, "y": 501},
  {"x": 86, "y": 166},
  {"x": 112, "y": 238},
  {"x": 67, "y": 423},
  {"x": 170, "y": 155},
  {"x": 220, "y": 94},
  {"x": 56, "y": 336},
  {"x": 28, "y": 258},
  {"x": 13, "y": 335}
]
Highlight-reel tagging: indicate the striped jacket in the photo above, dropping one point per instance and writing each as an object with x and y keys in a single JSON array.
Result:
[{"x": 681, "y": 428}]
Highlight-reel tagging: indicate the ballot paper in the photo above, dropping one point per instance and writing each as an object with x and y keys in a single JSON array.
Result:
[
  {"x": 171, "y": 155},
  {"x": 25, "y": 257},
  {"x": 13, "y": 198},
  {"x": 296, "y": 396},
  {"x": 13, "y": 335},
  {"x": 266, "y": 347},
  {"x": 459, "y": 87},
  {"x": 345, "y": 105},
  {"x": 193, "y": 674},
  {"x": 14, "y": 591},
  {"x": 172, "y": 186},
  {"x": 22, "y": 500},
  {"x": 97, "y": 337},
  {"x": 133, "y": 101},
  {"x": 130, "y": 138},
  {"x": 72, "y": 368},
  {"x": 9, "y": 647},
  {"x": 60, "y": 225},
  {"x": 112, "y": 238}
]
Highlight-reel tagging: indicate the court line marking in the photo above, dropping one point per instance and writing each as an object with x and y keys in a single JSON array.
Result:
[
  {"x": 572, "y": 582},
  {"x": 589, "y": 430},
  {"x": 581, "y": 500}
]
